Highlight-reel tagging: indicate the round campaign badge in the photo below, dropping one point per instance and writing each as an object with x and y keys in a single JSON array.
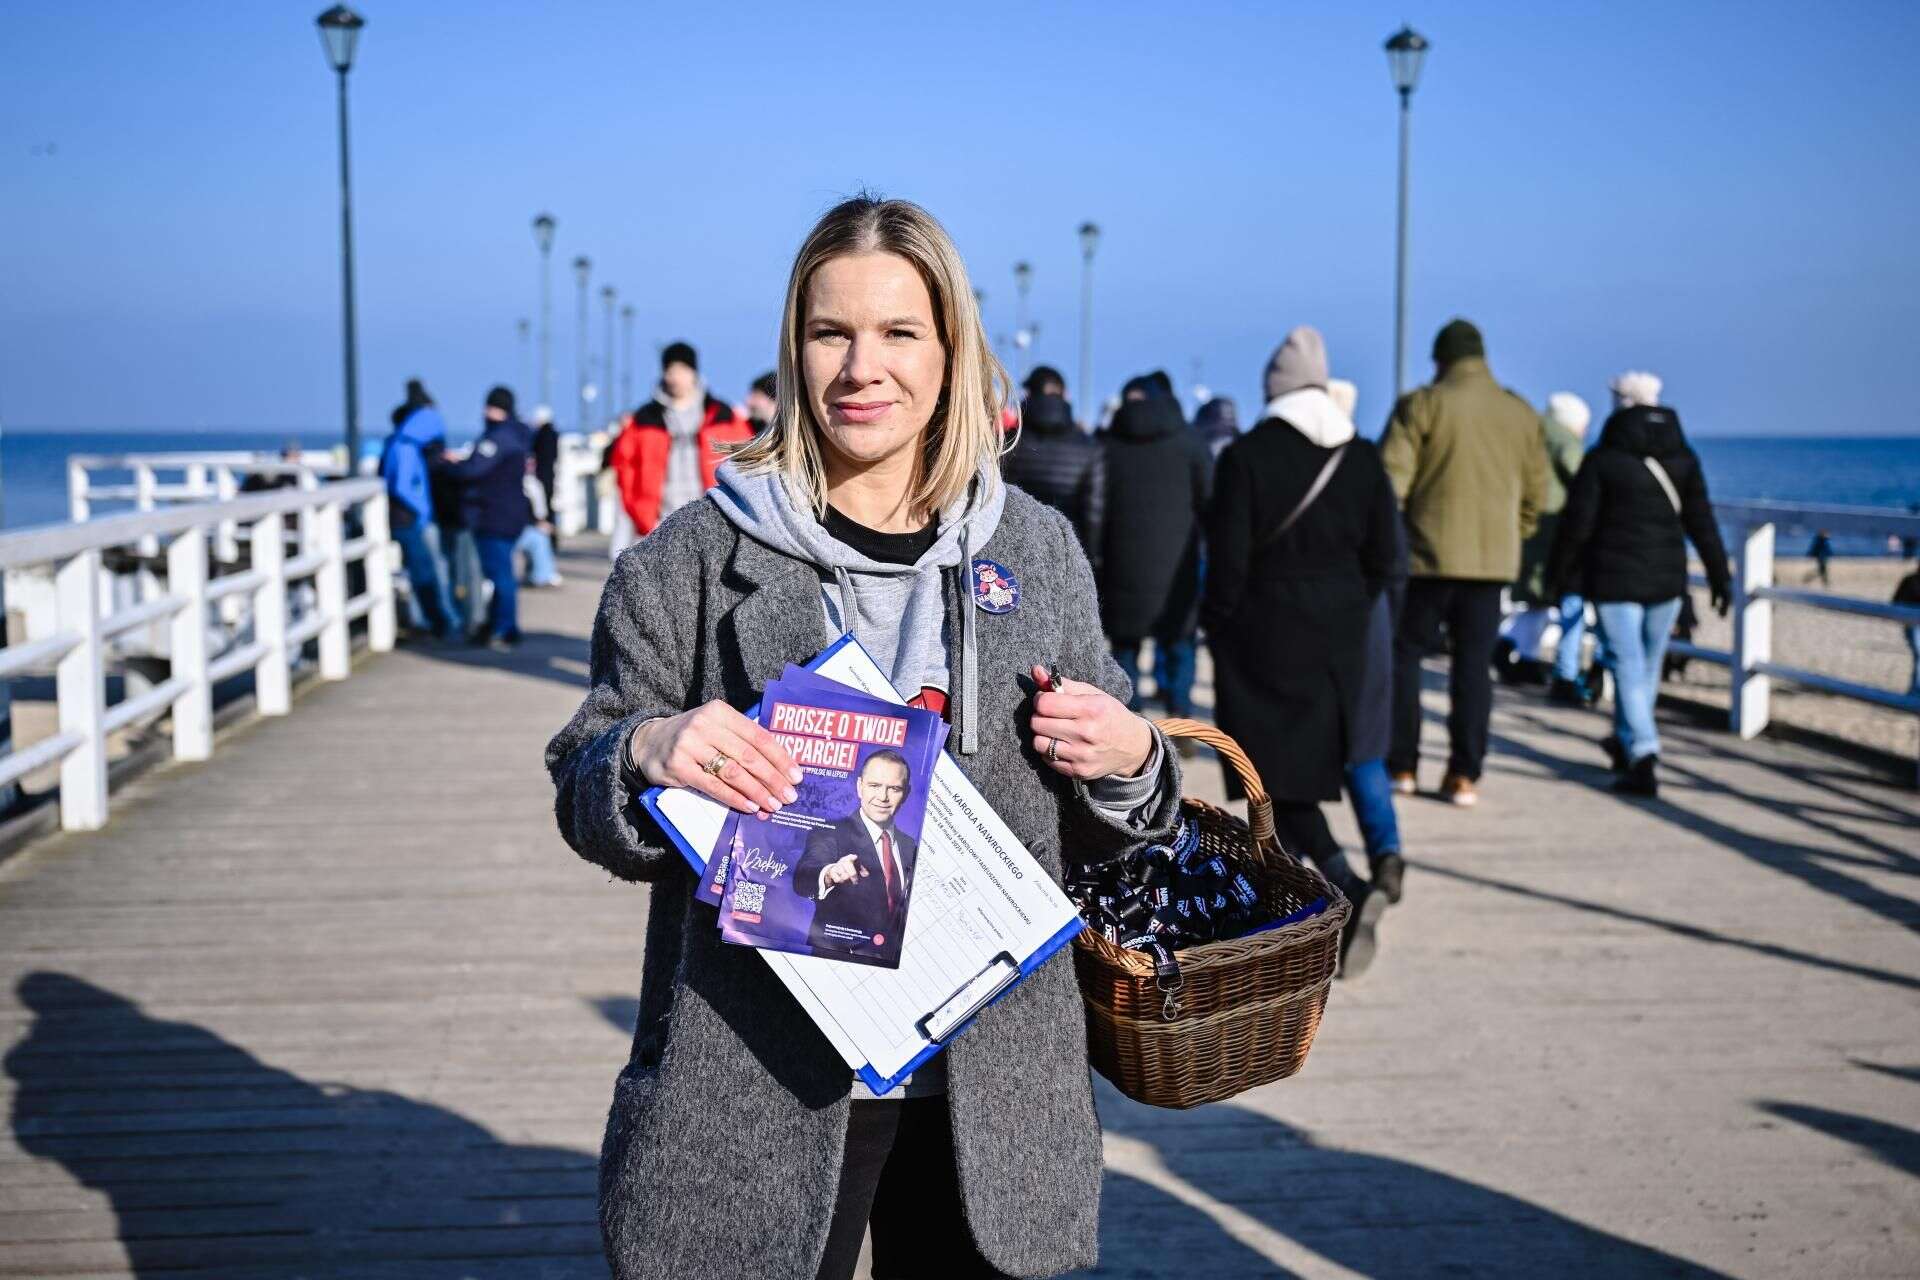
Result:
[
  {"x": 879, "y": 939},
  {"x": 994, "y": 589}
]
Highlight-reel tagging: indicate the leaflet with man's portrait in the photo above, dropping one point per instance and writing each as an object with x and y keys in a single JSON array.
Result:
[{"x": 832, "y": 874}]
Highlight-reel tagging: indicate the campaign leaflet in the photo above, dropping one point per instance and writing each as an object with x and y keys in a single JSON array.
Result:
[
  {"x": 711, "y": 884},
  {"x": 831, "y": 875}
]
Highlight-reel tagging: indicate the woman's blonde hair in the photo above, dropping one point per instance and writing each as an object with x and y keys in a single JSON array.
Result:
[{"x": 963, "y": 437}]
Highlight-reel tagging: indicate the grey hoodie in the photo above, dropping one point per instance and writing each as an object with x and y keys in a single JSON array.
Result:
[{"x": 897, "y": 612}]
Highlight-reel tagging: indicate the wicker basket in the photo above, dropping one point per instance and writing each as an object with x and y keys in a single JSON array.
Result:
[{"x": 1243, "y": 1011}]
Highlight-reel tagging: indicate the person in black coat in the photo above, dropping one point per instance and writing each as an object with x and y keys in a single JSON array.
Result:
[
  {"x": 1291, "y": 579},
  {"x": 1635, "y": 502},
  {"x": 493, "y": 504},
  {"x": 1062, "y": 466},
  {"x": 546, "y": 463},
  {"x": 1158, "y": 477},
  {"x": 860, "y": 869}
]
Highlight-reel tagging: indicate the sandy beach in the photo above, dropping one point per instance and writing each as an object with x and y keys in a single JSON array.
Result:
[{"x": 1864, "y": 650}]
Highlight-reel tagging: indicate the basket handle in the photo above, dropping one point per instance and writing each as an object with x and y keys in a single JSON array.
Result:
[{"x": 1259, "y": 806}]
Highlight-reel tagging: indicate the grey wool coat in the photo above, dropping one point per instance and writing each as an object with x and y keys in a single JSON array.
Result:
[{"x": 723, "y": 1146}]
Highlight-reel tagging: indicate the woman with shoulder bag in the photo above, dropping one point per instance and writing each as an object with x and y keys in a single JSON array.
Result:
[
  {"x": 738, "y": 1142},
  {"x": 1639, "y": 495},
  {"x": 1300, "y": 541}
]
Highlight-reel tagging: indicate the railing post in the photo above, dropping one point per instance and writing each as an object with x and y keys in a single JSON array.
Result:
[
  {"x": 272, "y": 689},
  {"x": 79, "y": 506},
  {"x": 80, "y": 688},
  {"x": 145, "y": 500},
  {"x": 1752, "y": 634},
  {"x": 226, "y": 544},
  {"x": 193, "y": 709},
  {"x": 330, "y": 584},
  {"x": 379, "y": 570}
]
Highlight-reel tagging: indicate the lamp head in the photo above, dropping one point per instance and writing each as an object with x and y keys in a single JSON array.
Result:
[
  {"x": 339, "y": 32},
  {"x": 1406, "y": 50},
  {"x": 543, "y": 231},
  {"x": 582, "y": 266},
  {"x": 1089, "y": 238}
]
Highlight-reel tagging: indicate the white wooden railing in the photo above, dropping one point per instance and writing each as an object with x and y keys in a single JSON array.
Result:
[
  {"x": 209, "y": 625},
  {"x": 161, "y": 479},
  {"x": 1750, "y": 661}
]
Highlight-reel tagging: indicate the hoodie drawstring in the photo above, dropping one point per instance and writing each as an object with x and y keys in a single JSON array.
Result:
[
  {"x": 849, "y": 603},
  {"x": 969, "y": 651}
]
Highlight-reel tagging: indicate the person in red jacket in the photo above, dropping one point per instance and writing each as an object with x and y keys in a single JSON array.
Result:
[{"x": 667, "y": 455}]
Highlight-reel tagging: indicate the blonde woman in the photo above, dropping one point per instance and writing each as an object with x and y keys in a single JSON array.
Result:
[{"x": 738, "y": 1143}]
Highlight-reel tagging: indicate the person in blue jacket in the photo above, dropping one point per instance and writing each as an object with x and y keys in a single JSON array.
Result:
[
  {"x": 418, "y": 442},
  {"x": 493, "y": 501}
]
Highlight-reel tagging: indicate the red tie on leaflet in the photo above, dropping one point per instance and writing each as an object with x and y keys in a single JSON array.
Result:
[{"x": 886, "y": 865}]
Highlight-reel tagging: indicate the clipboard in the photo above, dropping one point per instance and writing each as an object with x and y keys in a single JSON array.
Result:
[{"x": 936, "y": 1016}]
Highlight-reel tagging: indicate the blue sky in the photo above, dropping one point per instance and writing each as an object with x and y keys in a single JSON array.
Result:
[{"x": 1722, "y": 193}]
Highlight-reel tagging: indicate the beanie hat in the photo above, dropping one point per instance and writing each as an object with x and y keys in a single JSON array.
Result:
[
  {"x": 417, "y": 392},
  {"x": 679, "y": 353},
  {"x": 1569, "y": 411},
  {"x": 1457, "y": 341},
  {"x": 766, "y": 385},
  {"x": 502, "y": 399},
  {"x": 1300, "y": 362},
  {"x": 1635, "y": 387}
]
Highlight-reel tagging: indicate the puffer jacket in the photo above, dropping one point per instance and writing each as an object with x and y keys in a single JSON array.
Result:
[
  {"x": 1062, "y": 466},
  {"x": 1620, "y": 538}
]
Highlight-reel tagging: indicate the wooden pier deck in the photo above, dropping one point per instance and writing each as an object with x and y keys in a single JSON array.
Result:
[{"x": 339, "y": 1003}]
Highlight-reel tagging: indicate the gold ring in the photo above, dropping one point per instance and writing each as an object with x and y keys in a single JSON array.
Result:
[
  {"x": 1053, "y": 750},
  {"x": 715, "y": 765}
]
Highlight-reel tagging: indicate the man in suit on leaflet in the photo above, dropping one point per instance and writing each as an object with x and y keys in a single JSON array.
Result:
[{"x": 859, "y": 869}]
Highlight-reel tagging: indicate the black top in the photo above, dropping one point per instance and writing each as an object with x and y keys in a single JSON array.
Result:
[
  {"x": 1620, "y": 537},
  {"x": 1062, "y": 466},
  {"x": 887, "y": 548}
]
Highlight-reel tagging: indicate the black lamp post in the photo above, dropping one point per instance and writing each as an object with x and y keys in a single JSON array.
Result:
[
  {"x": 582, "y": 268},
  {"x": 543, "y": 239},
  {"x": 339, "y": 32},
  {"x": 607, "y": 296},
  {"x": 1089, "y": 241},
  {"x": 1406, "y": 50},
  {"x": 1022, "y": 282},
  {"x": 626, "y": 365}
]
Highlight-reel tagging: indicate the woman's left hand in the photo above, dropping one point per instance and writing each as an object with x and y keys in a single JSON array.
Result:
[{"x": 1085, "y": 732}]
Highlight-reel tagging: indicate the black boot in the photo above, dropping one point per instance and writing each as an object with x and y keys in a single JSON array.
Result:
[
  {"x": 1359, "y": 941},
  {"x": 1389, "y": 871},
  {"x": 1616, "y": 752},
  {"x": 1639, "y": 779},
  {"x": 1565, "y": 693}
]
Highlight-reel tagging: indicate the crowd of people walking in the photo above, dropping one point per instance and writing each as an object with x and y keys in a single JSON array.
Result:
[{"x": 1322, "y": 568}]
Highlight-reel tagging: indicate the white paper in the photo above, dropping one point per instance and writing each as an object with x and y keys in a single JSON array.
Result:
[{"x": 976, "y": 893}]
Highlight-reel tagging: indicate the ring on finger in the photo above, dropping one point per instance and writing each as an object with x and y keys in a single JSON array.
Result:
[
  {"x": 1053, "y": 750},
  {"x": 714, "y": 766}
]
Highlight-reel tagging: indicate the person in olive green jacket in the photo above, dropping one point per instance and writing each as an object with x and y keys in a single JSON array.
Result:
[{"x": 1467, "y": 463}]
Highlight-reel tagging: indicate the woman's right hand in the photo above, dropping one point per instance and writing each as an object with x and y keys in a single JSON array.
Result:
[{"x": 757, "y": 775}]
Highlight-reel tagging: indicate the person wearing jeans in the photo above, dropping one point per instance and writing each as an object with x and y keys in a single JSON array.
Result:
[
  {"x": 1636, "y": 637},
  {"x": 1566, "y": 658},
  {"x": 493, "y": 501},
  {"x": 1637, "y": 501}
]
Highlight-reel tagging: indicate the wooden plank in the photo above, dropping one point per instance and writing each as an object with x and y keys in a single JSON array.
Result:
[{"x": 339, "y": 1002}]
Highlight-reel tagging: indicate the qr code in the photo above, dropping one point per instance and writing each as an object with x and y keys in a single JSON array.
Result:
[{"x": 748, "y": 896}]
